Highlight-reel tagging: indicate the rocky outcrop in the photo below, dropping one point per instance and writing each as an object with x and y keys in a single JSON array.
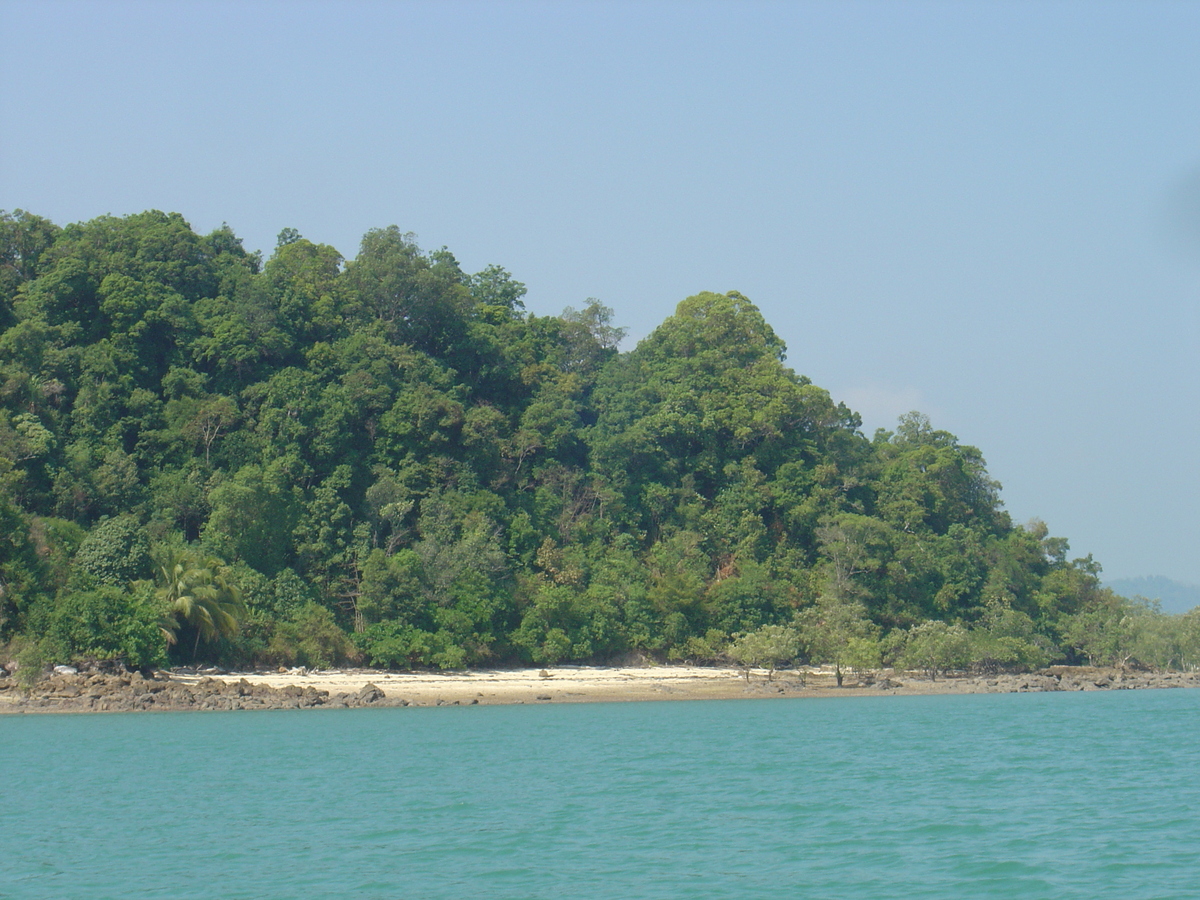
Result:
[
  {"x": 1076, "y": 678},
  {"x": 132, "y": 692}
]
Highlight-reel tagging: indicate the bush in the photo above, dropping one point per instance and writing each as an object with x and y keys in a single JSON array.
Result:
[
  {"x": 710, "y": 648},
  {"x": 312, "y": 638},
  {"x": 32, "y": 661},
  {"x": 107, "y": 622},
  {"x": 935, "y": 647},
  {"x": 395, "y": 645},
  {"x": 115, "y": 552},
  {"x": 769, "y": 646}
]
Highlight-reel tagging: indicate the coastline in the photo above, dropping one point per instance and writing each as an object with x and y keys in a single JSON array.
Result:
[{"x": 351, "y": 688}]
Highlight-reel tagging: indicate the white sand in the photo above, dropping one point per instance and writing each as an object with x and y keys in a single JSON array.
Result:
[{"x": 557, "y": 683}]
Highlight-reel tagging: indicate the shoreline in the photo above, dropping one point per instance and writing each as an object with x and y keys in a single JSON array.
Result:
[{"x": 356, "y": 688}]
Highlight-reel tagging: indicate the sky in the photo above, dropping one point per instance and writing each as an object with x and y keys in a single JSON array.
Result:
[{"x": 987, "y": 212}]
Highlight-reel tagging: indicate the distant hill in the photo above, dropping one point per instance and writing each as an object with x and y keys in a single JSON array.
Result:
[{"x": 1174, "y": 596}]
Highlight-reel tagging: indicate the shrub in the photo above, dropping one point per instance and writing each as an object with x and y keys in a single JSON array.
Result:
[
  {"x": 108, "y": 623},
  {"x": 312, "y": 638}
]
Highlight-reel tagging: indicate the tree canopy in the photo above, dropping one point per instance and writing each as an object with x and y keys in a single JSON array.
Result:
[{"x": 388, "y": 458}]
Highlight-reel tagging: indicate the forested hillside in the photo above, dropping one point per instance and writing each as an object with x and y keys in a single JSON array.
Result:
[{"x": 313, "y": 460}]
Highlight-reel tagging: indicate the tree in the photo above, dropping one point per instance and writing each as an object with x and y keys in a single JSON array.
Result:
[
  {"x": 464, "y": 575},
  {"x": 836, "y": 631},
  {"x": 402, "y": 438},
  {"x": 204, "y": 420},
  {"x": 115, "y": 552},
  {"x": 770, "y": 646},
  {"x": 311, "y": 638},
  {"x": 1111, "y": 631},
  {"x": 592, "y": 339},
  {"x": 105, "y": 623},
  {"x": 935, "y": 647},
  {"x": 422, "y": 299},
  {"x": 21, "y": 569},
  {"x": 24, "y": 237},
  {"x": 930, "y": 481},
  {"x": 254, "y": 514},
  {"x": 196, "y": 593},
  {"x": 704, "y": 394},
  {"x": 1005, "y": 638},
  {"x": 496, "y": 294}
]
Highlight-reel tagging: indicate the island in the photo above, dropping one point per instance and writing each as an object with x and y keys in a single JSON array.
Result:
[{"x": 209, "y": 458}]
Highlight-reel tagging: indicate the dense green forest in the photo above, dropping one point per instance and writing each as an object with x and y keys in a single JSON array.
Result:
[{"x": 205, "y": 456}]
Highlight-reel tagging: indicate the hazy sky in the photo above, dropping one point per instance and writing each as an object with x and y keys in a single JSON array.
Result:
[{"x": 987, "y": 212}]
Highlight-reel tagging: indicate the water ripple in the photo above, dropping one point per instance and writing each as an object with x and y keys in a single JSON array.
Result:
[{"x": 987, "y": 796}]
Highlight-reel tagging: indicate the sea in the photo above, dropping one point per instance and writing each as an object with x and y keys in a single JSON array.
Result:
[{"x": 1061, "y": 795}]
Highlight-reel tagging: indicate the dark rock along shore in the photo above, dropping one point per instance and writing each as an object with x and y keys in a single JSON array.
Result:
[
  {"x": 131, "y": 692},
  {"x": 1079, "y": 678}
]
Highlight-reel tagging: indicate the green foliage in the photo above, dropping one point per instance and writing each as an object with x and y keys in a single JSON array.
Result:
[
  {"x": 115, "y": 552},
  {"x": 32, "y": 659},
  {"x": 253, "y": 516},
  {"x": 421, "y": 299},
  {"x": 311, "y": 638},
  {"x": 1007, "y": 638},
  {"x": 289, "y": 592},
  {"x": 395, "y": 645},
  {"x": 934, "y": 648},
  {"x": 392, "y": 590},
  {"x": 24, "y": 238},
  {"x": 392, "y": 448},
  {"x": 496, "y": 295},
  {"x": 1117, "y": 632},
  {"x": 712, "y": 647},
  {"x": 563, "y": 622},
  {"x": 108, "y": 623},
  {"x": 770, "y": 646},
  {"x": 22, "y": 574},
  {"x": 196, "y": 595},
  {"x": 837, "y": 631},
  {"x": 708, "y": 389}
]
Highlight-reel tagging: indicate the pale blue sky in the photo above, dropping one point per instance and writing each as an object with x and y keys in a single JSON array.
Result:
[{"x": 986, "y": 211}]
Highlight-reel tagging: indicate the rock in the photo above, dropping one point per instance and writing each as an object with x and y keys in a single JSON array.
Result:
[{"x": 369, "y": 694}]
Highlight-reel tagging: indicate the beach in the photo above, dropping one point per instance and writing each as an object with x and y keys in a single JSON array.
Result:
[{"x": 211, "y": 689}]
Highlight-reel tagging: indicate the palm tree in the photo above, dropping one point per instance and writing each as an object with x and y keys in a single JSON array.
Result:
[{"x": 196, "y": 591}]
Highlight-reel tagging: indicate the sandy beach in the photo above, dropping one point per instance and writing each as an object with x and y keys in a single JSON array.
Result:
[
  {"x": 604, "y": 684},
  {"x": 577, "y": 684}
]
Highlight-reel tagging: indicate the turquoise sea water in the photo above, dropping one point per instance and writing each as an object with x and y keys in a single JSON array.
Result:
[{"x": 1013, "y": 795}]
